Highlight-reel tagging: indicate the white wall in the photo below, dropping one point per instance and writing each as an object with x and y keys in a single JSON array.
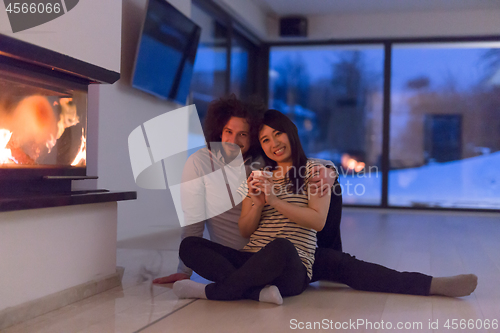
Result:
[
  {"x": 44, "y": 251},
  {"x": 121, "y": 109},
  {"x": 384, "y": 25},
  {"x": 89, "y": 32},
  {"x": 248, "y": 14}
]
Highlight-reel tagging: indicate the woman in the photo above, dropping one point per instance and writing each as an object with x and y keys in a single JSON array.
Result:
[{"x": 281, "y": 214}]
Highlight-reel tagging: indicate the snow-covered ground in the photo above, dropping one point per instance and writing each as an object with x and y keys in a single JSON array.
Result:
[{"x": 468, "y": 183}]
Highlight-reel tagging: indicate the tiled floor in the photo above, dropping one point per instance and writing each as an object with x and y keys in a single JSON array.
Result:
[{"x": 433, "y": 243}]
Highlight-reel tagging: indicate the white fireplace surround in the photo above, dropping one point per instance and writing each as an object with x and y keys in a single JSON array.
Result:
[
  {"x": 55, "y": 256},
  {"x": 51, "y": 257}
]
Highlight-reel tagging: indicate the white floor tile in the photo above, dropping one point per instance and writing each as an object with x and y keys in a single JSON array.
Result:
[{"x": 434, "y": 243}]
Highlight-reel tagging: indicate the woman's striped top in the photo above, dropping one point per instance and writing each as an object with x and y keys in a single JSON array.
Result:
[{"x": 274, "y": 225}]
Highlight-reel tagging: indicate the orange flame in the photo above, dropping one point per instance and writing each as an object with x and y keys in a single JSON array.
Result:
[
  {"x": 5, "y": 154},
  {"x": 51, "y": 143},
  {"x": 81, "y": 157},
  {"x": 351, "y": 164}
]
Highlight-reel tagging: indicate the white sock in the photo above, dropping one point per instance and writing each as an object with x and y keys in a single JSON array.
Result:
[
  {"x": 454, "y": 286},
  {"x": 270, "y": 294},
  {"x": 189, "y": 289}
]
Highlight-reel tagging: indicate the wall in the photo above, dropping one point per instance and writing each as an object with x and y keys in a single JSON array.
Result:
[
  {"x": 89, "y": 32},
  {"x": 121, "y": 109},
  {"x": 42, "y": 251},
  {"x": 248, "y": 14},
  {"x": 384, "y": 25}
]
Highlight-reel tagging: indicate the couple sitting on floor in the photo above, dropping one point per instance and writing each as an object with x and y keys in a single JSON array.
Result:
[{"x": 283, "y": 235}]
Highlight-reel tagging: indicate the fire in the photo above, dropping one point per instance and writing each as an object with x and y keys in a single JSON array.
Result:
[
  {"x": 5, "y": 154},
  {"x": 51, "y": 143},
  {"x": 351, "y": 164},
  {"x": 355, "y": 165},
  {"x": 33, "y": 121},
  {"x": 82, "y": 153},
  {"x": 39, "y": 130},
  {"x": 68, "y": 116}
]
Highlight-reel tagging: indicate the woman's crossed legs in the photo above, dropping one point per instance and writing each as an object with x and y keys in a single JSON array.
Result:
[{"x": 242, "y": 275}]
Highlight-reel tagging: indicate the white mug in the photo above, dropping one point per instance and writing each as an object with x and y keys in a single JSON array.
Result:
[{"x": 260, "y": 173}]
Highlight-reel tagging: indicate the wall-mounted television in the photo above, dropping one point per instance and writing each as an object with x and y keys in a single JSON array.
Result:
[{"x": 166, "y": 52}]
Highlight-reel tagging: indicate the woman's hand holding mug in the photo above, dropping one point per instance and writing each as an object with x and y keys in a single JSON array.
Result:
[{"x": 262, "y": 181}]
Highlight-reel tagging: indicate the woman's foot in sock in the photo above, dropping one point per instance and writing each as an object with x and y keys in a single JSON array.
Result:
[
  {"x": 454, "y": 286},
  {"x": 189, "y": 289},
  {"x": 270, "y": 294}
]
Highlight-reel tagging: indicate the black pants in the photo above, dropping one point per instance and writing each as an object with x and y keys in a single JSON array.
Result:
[
  {"x": 331, "y": 264},
  {"x": 336, "y": 266},
  {"x": 329, "y": 237},
  {"x": 242, "y": 275}
]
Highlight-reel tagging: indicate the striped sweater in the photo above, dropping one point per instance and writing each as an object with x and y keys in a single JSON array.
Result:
[{"x": 274, "y": 225}]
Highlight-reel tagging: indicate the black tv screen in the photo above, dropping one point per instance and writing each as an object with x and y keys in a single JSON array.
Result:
[{"x": 166, "y": 52}]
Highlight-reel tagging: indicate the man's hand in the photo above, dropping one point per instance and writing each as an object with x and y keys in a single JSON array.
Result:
[
  {"x": 171, "y": 278},
  {"x": 323, "y": 179}
]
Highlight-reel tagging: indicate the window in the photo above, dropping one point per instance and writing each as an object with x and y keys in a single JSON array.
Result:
[
  {"x": 436, "y": 109},
  {"x": 442, "y": 138},
  {"x": 242, "y": 66},
  {"x": 334, "y": 94},
  {"x": 445, "y": 125},
  {"x": 210, "y": 67},
  {"x": 225, "y": 60}
]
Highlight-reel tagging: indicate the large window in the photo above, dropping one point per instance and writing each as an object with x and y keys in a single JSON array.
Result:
[
  {"x": 209, "y": 72},
  {"x": 335, "y": 97},
  {"x": 445, "y": 125},
  {"x": 242, "y": 66},
  {"x": 225, "y": 59},
  {"x": 423, "y": 133}
]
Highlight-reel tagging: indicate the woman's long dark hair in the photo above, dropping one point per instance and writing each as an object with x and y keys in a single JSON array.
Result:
[{"x": 280, "y": 122}]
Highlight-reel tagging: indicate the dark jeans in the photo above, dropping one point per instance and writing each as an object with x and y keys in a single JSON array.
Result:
[
  {"x": 242, "y": 275},
  {"x": 331, "y": 264},
  {"x": 329, "y": 236},
  {"x": 336, "y": 266}
]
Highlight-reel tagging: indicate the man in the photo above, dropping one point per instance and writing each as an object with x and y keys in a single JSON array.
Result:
[{"x": 230, "y": 128}]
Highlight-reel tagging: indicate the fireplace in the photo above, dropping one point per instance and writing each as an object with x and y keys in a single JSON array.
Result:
[
  {"x": 43, "y": 120},
  {"x": 67, "y": 239},
  {"x": 43, "y": 131}
]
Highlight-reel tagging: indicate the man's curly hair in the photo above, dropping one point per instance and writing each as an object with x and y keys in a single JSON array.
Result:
[{"x": 221, "y": 110}]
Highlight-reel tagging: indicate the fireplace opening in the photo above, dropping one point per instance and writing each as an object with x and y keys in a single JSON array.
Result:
[
  {"x": 41, "y": 125},
  {"x": 43, "y": 128}
]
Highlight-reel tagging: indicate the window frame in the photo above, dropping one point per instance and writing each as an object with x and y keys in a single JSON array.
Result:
[
  {"x": 387, "y": 43},
  {"x": 235, "y": 28}
]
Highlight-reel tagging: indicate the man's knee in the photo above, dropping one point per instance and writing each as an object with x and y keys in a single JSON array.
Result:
[
  {"x": 328, "y": 260},
  {"x": 189, "y": 244}
]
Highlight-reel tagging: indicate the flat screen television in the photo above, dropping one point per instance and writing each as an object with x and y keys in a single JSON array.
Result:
[{"x": 166, "y": 52}]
